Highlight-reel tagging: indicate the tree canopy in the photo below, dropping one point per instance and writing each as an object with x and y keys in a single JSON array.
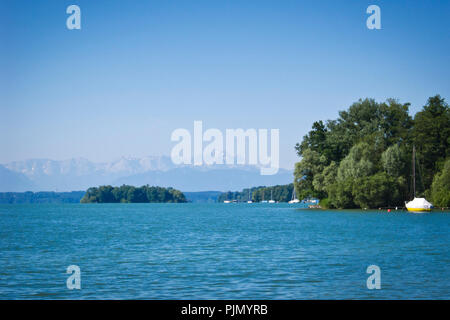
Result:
[
  {"x": 279, "y": 193},
  {"x": 440, "y": 189},
  {"x": 363, "y": 158},
  {"x": 130, "y": 194}
]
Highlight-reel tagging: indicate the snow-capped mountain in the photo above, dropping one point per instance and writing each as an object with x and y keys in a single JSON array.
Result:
[
  {"x": 80, "y": 174},
  {"x": 80, "y": 166}
]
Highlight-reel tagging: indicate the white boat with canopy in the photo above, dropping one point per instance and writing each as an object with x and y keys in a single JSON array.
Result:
[{"x": 417, "y": 204}]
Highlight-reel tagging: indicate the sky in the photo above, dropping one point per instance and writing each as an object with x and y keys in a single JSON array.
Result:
[{"x": 138, "y": 70}]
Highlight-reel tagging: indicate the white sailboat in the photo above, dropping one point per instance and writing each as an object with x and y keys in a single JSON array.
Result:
[
  {"x": 294, "y": 197},
  {"x": 263, "y": 201},
  {"x": 249, "y": 198},
  {"x": 417, "y": 204},
  {"x": 271, "y": 197}
]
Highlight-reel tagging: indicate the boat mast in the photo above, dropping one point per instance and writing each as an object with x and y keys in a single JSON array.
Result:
[{"x": 414, "y": 171}]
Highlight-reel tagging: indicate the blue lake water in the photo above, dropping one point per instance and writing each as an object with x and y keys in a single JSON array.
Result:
[{"x": 220, "y": 251}]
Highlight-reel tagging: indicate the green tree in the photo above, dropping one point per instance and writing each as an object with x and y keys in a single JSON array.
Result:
[
  {"x": 280, "y": 193},
  {"x": 90, "y": 196},
  {"x": 311, "y": 164},
  {"x": 340, "y": 195},
  {"x": 360, "y": 162},
  {"x": 325, "y": 178},
  {"x": 440, "y": 189},
  {"x": 432, "y": 137},
  {"x": 394, "y": 161},
  {"x": 374, "y": 191},
  {"x": 130, "y": 194},
  {"x": 356, "y": 165},
  {"x": 105, "y": 194},
  {"x": 177, "y": 196},
  {"x": 315, "y": 140}
]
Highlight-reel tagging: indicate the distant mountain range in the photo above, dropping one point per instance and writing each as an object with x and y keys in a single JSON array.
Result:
[{"x": 80, "y": 174}]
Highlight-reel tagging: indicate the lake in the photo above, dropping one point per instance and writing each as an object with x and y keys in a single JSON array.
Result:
[{"x": 220, "y": 251}]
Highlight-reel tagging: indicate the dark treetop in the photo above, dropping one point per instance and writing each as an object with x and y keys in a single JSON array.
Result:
[{"x": 130, "y": 194}]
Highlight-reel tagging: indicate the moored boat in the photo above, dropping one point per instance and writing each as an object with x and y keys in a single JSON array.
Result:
[
  {"x": 249, "y": 197},
  {"x": 294, "y": 197},
  {"x": 417, "y": 204},
  {"x": 271, "y": 197}
]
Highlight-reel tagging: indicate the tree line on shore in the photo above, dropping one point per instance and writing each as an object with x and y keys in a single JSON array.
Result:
[
  {"x": 364, "y": 157},
  {"x": 130, "y": 194},
  {"x": 41, "y": 197},
  {"x": 279, "y": 193}
]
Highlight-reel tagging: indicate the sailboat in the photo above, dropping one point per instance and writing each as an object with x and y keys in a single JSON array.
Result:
[
  {"x": 271, "y": 197},
  {"x": 263, "y": 201},
  {"x": 417, "y": 204},
  {"x": 249, "y": 198},
  {"x": 294, "y": 197}
]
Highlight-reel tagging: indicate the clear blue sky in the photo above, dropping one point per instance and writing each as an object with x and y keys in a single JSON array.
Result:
[{"x": 137, "y": 70}]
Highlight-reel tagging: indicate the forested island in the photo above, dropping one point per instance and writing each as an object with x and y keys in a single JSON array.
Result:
[
  {"x": 130, "y": 194},
  {"x": 364, "y": 158},
  {"x": 279, "y": 193}
]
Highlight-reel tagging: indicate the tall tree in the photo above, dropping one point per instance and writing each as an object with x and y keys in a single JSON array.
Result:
[
  {"x": 440, "y": 189},
  {"x": 431, "y": 135}
]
